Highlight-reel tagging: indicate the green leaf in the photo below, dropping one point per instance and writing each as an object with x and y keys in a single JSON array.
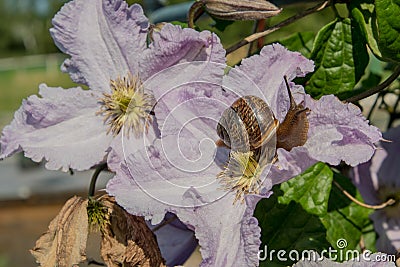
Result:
[
  {"x": 369, "y": 237},
  {"x": 180, "y": 23},
  {"x": 301, "y": 42},
  {"x": 340, "y": 57},
  {"x": 310, "y": 189},
  {"x": 380, "y": 24},
  {"x": 345, "y": 219},
  {"x": 363, "y": 12},
  {"x": 287, "y": 227},
  {"x": 388, "y": 18}
]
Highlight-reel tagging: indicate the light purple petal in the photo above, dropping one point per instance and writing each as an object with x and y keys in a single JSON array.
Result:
[
  {"x": 388, "y": 229},
  {"x": 390, "y": 168},
  {"x": 382, "y": 170},
  {"x": 290, "y": 164},
  {"x": 262, "y": 76},
  {"x": 189, "y": 93},
  {"x": 377, "y": 181},
  {"x": 173, "y": 45},
  {"x": 339, "y": 131},
  {"x": 61, "y": 126},
  {"x": 168, "y": 171},
  {"x": 122, "y": 145},
  {"x": 130, "y": 196},
  {"x": 156, "y": 180},
  {"x": 365, "y": 177},
  {"x": 228, "y": 233},
  {"x": 104, "y": 39}
]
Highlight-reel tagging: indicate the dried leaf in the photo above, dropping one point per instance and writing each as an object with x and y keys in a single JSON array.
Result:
[
  {"x": 64, "y": 243},
  {"x": 126, "y": 240}
]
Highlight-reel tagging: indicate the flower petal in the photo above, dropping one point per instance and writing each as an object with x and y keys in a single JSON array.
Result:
[
  {"x": 123, "y": 145},
  {"x": 378, "y": 181},
  {"x": 389, "y": 170},
  {"x": 135, "y": 201},
  {"x": 173, "y": 45},
  {"x": 61, "y": 126},
  {"x": 189, "y": 92},
  {"x": 262, "y": 75},
  {"x": 168, "y": 174},
  {"x": 104, "y": 39},
  {"x": 228, "y": 233},
  {"x": 339, "y": 131},
  {"x": 218, "y": 225},
  {"x": 388, "y": 230},
  {"x": 290, "y": 164},
  {"x": 365, "y": 177}
]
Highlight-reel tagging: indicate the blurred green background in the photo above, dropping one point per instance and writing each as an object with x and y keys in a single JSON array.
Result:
[{"x": 28, "y": 56}]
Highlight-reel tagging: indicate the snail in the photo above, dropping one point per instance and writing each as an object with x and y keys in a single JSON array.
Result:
[
  {"x": 251, "y": 131},
  {"x": 249, "y": 123}
]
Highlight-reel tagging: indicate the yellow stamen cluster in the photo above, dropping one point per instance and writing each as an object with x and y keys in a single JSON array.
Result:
[
  {"x": 127, "y": 105},
  {"x": 242, "y": 174}
]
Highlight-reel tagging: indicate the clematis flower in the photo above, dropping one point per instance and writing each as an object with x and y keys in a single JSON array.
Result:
[
  {"x": 107, "y": 44},
  {"x": 183, "y": 171},
  {"x": 378, "y": 181}
]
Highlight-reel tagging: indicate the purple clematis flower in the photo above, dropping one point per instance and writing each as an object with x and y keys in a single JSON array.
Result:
[
  {"x": 107, "y": 44},
  {"x": 186, "y": 173},
  {"x": 378, "y": 180}
]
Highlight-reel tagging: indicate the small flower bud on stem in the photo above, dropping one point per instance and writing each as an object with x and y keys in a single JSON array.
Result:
[{"x": 234, "y": 9}]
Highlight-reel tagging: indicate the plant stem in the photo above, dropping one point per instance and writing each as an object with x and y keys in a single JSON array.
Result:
[
  {"x": 195, "y": 11},
  {"x": 374, "y": 207},
  {"x": 378, "y": 88},
  {"x": 290, "y": 20},
  {"x": 93, "y": 181}
]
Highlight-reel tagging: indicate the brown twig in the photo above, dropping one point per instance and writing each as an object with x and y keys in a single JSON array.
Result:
[
  {"x": 378, "y": 88},
  {"x": 374, "y": 207},
  {"x": 290, "y": 20},
  {"x": 195, "y": 11}
]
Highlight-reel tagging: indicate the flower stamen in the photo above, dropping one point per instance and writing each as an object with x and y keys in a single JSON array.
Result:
[
  {"x": 127, "y": 105},
  {"x": 242, "y": 173}
]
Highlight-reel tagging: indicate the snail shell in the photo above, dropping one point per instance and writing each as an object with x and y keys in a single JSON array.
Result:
[{"x": 249, "y": 124}]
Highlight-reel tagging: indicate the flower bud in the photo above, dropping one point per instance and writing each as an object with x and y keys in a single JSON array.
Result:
[{"x": 241, "y": 9}]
